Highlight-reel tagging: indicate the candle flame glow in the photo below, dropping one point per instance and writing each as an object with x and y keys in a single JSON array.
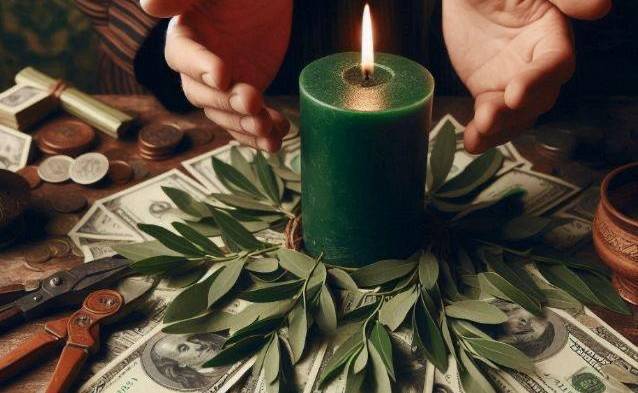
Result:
[{"x": 367, "y": 44}]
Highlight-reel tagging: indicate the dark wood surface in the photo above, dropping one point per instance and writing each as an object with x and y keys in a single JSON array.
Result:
[{"x": 14, "y": 270}]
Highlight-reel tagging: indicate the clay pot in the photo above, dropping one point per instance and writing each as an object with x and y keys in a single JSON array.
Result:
[{"x": 615, "y": 228}]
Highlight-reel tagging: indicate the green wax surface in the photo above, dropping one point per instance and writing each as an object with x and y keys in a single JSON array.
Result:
[{"x": 363, "y": 157}]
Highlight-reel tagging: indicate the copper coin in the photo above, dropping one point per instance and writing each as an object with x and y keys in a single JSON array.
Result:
[
  {"x": 140, "y": 170},
  {"x": 59, "y": 248},
  {"x": 30, "y": 174},
  {"x": 199, "y": 136},
  {"x": 120, "y": 172},
  {"x": 61, "y": 224},
  {"x": 69, "y": 136},
  {"x": 160, "y": 136},
  {"x": 38, "y": 254},
  {"x": 69, "y": 202},
  {"x": 117, "y": 154}
]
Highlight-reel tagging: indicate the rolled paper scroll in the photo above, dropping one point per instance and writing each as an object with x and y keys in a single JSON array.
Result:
[{"x": 105, "y": 118}]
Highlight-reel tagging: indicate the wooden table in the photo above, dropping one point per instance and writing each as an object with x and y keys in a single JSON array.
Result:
[{"x": 14, "y": 270}]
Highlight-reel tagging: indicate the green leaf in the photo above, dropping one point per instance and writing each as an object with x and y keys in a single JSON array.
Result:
[
  {"x": 215, "y": 321},
  {"x": 428, "y": 336},
  {"x": 501, "y": 353},
  {"x": 261, "y": 327},
  {"x": 342, "y": 280},
  {"x": 477, "y": 311},
  {"x": 260, "y": 311},
  {"x": 190, "y": 302},
  {"x": 382, "y": 271},
  {"x": 442, "y": 155},
  {"x": 498, "y": 287},
  {"x": 472, "y": 378},
  {"x": 295, "y": 163},
  {"x": 566, "y": 279},
  {"x": 361, "y": 360},
  {"x": 524, "y": 227},
  {"x": 326, "y": 315},
  {"x": 517, "y": 277},
  {"x": 234, "y": 231},
  {"x": 467, "y": 329},
  {"x": 294, "y": 186},
  {"x": 341, "y": 356},
  {"x": 272, "y": 360},
  {"x": 171, "y": 240},
  {"x": 287, "y": 174},
  {"x": 186, "y": 203},
  {"x": 198, "y": 239},
  {"x": 273, "y": 291},
  {"x": 262, "y": 265},
  {"x": 353, "y": 380},
  {"x": 447, "y": 337},
  {"x": 605, "y": 292},
  {"x": 558, "y": 298},
  {"x": 267, "y": 178},
  {"x": 259, "y": 360},
  {"x": 297, "y": 331},
  {"x": 380, "y": 340},
  {"x": 239, "y": 162},
  {"x": 360, "y": 313},
  {"x": 381, "y": 381},
  {"x": 231, "y": 178},
  {"x": 474, "y": 175},
  {"x": 178, "y": 279},
  {"x": 226, "y": 280},
  {"x": 295, "y": 262},
  {"x": 243, "y": 202},
  {"x": 135, "y": 252},
  {"x": 428, "y": 269},
  {"x": 157, "y": 264},
  {"x": 393, "y": 311},
  {"x": 241, "y": 350}
]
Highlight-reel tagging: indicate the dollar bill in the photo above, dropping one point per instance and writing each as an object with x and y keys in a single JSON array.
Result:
[
  {"x": 14, "y": 149},
  {"x": 147, "y": 203},
  {"x": 568, "y": 355},
  {"x": 21, "y": 106},
  {"x": 584, "y": 207},
  {"x": 569, "y": 235},
  {"x": 99, "y": 223},
  {"x": 93, "y": 249}
]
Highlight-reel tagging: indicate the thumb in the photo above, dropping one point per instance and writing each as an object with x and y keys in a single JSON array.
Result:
[
  {"x": 165, "y": 8},
  {"x": 587, "y": 9}
]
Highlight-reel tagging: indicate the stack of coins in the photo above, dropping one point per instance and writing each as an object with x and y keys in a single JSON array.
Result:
[
  {"x": 69, "y": 137},
  {"x": 158, "y": 141}
]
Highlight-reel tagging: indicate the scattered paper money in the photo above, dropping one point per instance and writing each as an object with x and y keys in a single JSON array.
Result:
[
  {"x": 22, "y": 106},
  {"x": 14, "y": 149}
]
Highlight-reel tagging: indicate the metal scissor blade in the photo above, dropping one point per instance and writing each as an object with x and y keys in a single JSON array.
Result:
[{"x": 92, "y": 273}]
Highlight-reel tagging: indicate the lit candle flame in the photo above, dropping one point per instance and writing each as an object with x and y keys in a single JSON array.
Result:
[{"x": 367, "y": 44}]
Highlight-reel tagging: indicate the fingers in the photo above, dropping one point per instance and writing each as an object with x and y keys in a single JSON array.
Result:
[
  {"x": 187, "y": 56},
  {"x": 242, "y": 98},
  {"x": 588, "y": 10},
  {"x": 165, "y": 8},
  {"x": 494, "y": 123}
]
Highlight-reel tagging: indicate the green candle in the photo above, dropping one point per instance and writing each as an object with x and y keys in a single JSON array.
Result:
[{"x": 363, "y": 157}]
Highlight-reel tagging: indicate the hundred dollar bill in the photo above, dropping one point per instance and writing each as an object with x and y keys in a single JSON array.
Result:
[
  {"x": 93, "y": 249},
  {"x": 14, "y": 148},
  {"x": 568, "y": 356},
  {"x": 99, "y": 223},
  {"x": 147, "y": 203}
]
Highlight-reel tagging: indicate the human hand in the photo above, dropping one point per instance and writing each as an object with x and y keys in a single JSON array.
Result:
[
  {"x": 513, "y": 56},
  {"x": 227, "y": 52}
]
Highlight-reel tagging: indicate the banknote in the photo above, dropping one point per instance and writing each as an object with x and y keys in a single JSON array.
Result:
[
  {"x": 93, "y": 249},
  {"x": 147, "y": 203},
  {"x": 19, "y": 97},
  {"x": 569, "y": 235},
  {"x": 99, "y": 223},
  {"x": 542, "y": 192},
  {"x": 568, "y": 356},
  {"x": 584, "y": 207},
  {"x": 14, "y": 149}
]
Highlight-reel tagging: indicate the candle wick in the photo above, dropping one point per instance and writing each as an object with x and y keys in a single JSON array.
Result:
[{"x": 366, "y": 75}]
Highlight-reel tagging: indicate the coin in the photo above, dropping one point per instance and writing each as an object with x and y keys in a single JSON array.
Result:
[
  {"x": 89, "y": 168},
  {"x": 120, "y": 172},
  {"x": 38, "y": 254},
  {"x": 61, "y": 224},
  {"x": 55, "y": 169},
  {"x": 140, "y": 170},
  {"x": 68, "y": 202},
  {"x": 59, "y": 248},
  {"x": 68, "y": 136},
  {"x": 160, "y": 136},
  {"x": 30, "y": 174},
  {"x": 198, "y": 136}
]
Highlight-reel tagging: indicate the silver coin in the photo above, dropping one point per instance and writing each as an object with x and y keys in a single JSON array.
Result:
[
  {"x": 55, "y": 169},
  {"x": 89, "y": 168}
]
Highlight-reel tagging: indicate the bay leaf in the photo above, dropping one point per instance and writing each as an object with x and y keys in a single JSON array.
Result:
[
  {"x": 238, "y": 161},
  {"x": 243, "y": 202},
  {"x": 171, "y": 240},
  {"x": 467, "y": 329},
  {"x": 198, "y": 239},
  {"x": 428, "y": 336},
  {"x": 157, "y": 264},
  {"x": 262, "y": 265},
  {"x": 135, "y": 252},
  {"x": 605, "y": 292},
  {"x": 295, "y": 262},
  {"x": 498, "y": 287},
  {"x": 502, "y": 353},
  {"x": 259, "y": 360},
  {"x": 524, "y": 227},
  {"x": 271, "y": 371},
  {"x": 354, "y": 380},
  {"x": 564, "y": 278},
  {"x": 185, "y": 202},
  {"x": 472, "y": 378},
  {"x": 558, "y": 298},
  {"x": 380, "y": 373},
  {"x": 261, "y": 327},
  {"x": 380, "y": 340},
  {"x": 267, "y": 178},
  {"x": 297, "y": 331},
  {"x": 191, "y": 302},
  {"x": 273, "y": 291},
  {"x": 295, "y": 163},
  {"x": 476, "y": 311},
  {"x": 227, "y": 278},
  {"x": 211, "y": 322},
  {"x": 393, "y": 311},
  {"x": 341, "y": 356},
  {"x": 480, "y": 170},
  {"x": 326, "y": 315},
  {"x": 382, "y": 271},
  {"x": 231, "y": 177},
  {"x": 361, "y": 360},
  {"x": 342, "y": 280},
  {"x": 241, "y": 350},
  {"x": 293, "y": 186},
  {"x": 428, "y": 269},
  {"x": 442, "y": 156},
  {"x": 234, "y": 231},
  {"x": 181, "y": 279}
]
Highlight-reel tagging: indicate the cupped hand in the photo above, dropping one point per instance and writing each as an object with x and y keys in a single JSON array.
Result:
[
  {"x": 227, "y": 52},
  {"x": 513, "y": 56}
]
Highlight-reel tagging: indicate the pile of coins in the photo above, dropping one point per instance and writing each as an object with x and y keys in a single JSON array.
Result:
[
  {"x": 68, "y": 137},
  {"x": 158, "y": 141},
  {"x": 89, "y": 168},
  {"x": 54, "y": 248}
]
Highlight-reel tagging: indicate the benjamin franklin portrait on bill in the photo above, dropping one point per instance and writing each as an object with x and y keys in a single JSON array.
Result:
[{"x": 175, "y": 361}]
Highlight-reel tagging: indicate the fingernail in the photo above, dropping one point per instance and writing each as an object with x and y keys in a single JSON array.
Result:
[
  {"x": 209, "y": 80},
  {"x": 236, "y": 103}
]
